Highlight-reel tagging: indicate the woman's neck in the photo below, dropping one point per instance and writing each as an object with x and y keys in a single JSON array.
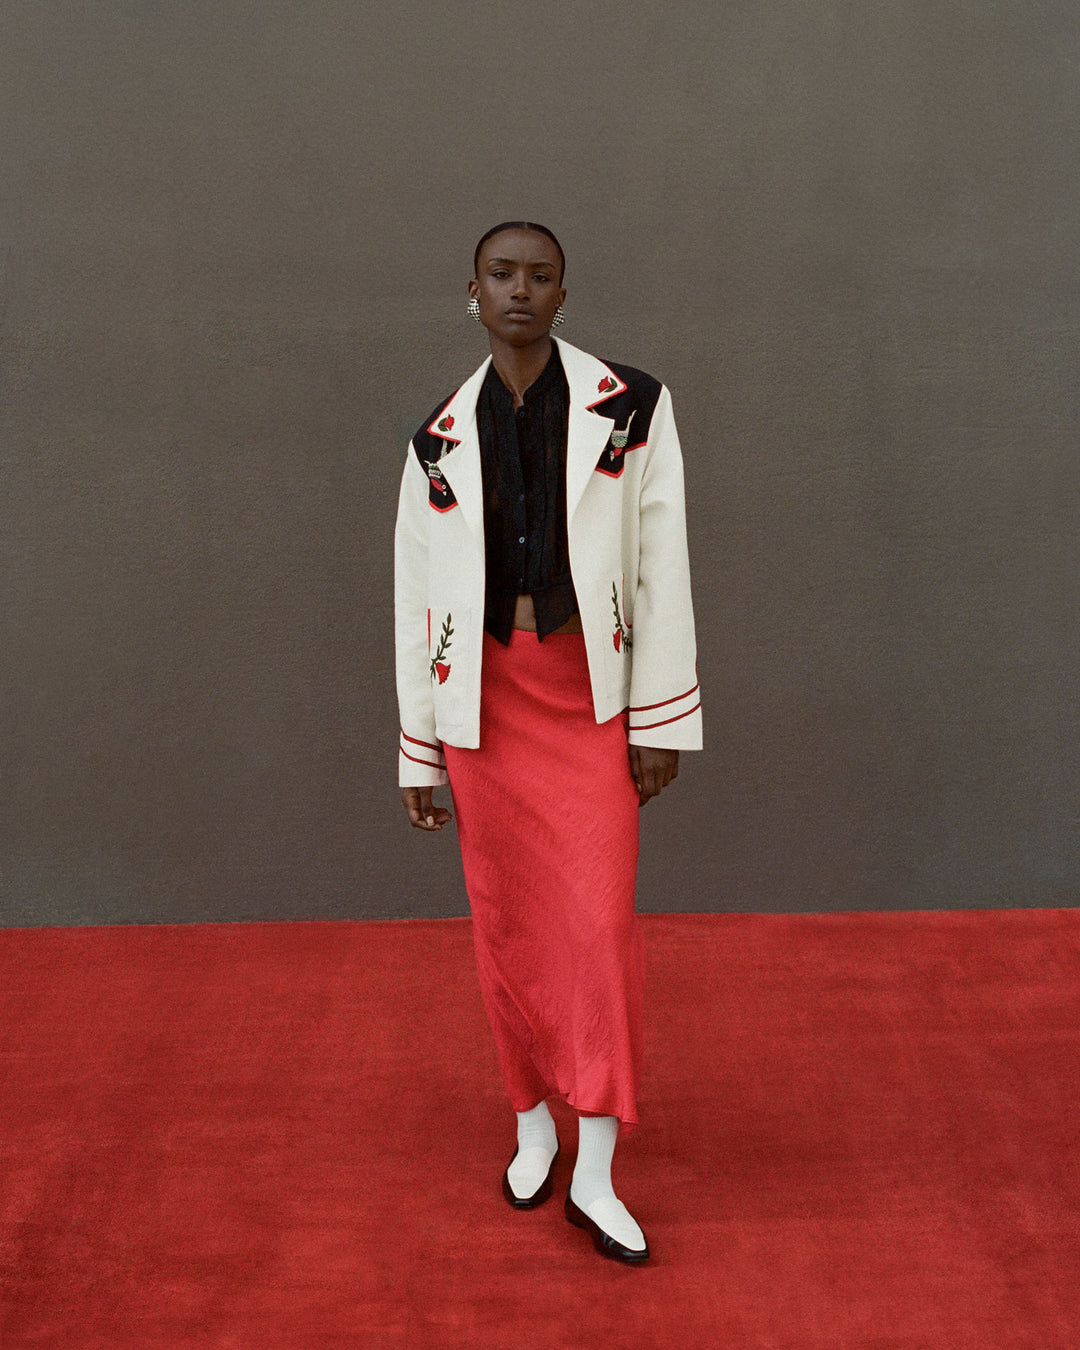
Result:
[{"x": 518, "y": 367}]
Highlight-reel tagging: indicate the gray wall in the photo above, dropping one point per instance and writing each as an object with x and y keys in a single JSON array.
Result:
[{"x": 236, "y": 238}]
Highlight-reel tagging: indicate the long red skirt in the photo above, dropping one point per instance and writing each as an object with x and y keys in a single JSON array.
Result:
[{"x": 547, "y": 814}]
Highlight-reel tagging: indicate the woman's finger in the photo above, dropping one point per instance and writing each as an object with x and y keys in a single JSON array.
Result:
[{"x": 421, "y": 812}]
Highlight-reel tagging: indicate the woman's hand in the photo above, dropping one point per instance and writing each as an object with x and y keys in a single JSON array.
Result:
[
  {"x": 418, "y": 806},
  {"x": 652, "y": 770}
]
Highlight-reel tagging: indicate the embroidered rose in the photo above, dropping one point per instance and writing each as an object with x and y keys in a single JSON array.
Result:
[
  {"x": 446, "y": 423},
  {"x": 438, "y": 668},
  {"x": 620, "y": 637},
  {"x": 606, "y": 385}
]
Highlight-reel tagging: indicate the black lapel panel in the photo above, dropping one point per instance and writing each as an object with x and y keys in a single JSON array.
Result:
[
  {"x": 632, "y": 412},
  {"x": 429, "y": 449}
]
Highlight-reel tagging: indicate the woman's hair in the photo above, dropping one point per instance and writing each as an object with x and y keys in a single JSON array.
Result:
[{"x": 518, "y": 225}]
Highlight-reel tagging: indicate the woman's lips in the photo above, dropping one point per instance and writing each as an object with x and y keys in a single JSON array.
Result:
[{"x": 520, "y": 314}]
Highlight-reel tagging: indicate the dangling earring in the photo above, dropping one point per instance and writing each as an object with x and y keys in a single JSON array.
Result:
[
  {"x": 559, "y": 317},
  {"x": 473, "y": 309}
]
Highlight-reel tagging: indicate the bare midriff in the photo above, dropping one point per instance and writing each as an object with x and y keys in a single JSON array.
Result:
[{"x": 525, "y": 617}]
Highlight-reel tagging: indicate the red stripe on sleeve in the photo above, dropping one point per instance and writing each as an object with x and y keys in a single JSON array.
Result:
[
  {"x": 426, "y": 744},
  {"x": 647, "y": 707},
  {"x": 678, "y": 717},
  {"x": 430, "y": 763}
]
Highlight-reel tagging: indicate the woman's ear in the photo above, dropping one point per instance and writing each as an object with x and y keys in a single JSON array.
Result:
[{"x": 474, "y": 290}]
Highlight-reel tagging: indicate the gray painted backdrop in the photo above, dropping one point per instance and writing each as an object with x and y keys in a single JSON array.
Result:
[{"x": 236, "y": 238}]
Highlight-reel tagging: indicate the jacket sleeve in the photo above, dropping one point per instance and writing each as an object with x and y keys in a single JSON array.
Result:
[
  {"x": 420, "y": 757},
  {"x": 665, "y": 700}
]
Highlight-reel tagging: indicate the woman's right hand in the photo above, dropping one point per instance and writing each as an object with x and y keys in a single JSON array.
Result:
[{"x": 421, "y": 811}]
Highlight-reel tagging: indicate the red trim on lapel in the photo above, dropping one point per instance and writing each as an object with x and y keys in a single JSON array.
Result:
[
  {"x": 441, "y": 509},
  {"x": 619, "y": 389},
  {"x": 622, "y": 463}
]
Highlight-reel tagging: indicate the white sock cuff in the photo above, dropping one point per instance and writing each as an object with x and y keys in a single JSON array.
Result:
[
  {"x": 596, "y": 1144},
  {"x": 536, "y": 1129}
]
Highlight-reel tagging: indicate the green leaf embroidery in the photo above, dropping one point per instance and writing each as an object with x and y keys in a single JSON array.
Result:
[
  {"x": 620, "y": 628},
  {"x": 444, "y": 645}
]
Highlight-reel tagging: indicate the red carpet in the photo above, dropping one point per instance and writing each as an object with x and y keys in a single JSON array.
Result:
[{"x": 858, "y": 1131}]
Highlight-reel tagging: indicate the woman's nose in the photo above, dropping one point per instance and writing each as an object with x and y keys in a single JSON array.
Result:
[{"x": 521, "y": 287}]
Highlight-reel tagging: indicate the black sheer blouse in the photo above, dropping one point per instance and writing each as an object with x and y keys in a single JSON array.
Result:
[{"x": 523, "y": 463}]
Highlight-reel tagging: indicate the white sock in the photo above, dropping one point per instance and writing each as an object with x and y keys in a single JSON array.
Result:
[
  {"x": 591, "y": 1188},
  {"x": 537, "y": 1144}
]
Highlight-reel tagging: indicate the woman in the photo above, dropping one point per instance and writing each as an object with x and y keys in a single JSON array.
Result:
[{"x": 546, "y": 669}]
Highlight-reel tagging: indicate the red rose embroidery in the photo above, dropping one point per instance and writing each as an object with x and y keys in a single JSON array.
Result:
[
  {"x": 438, "y": 668},
  {"x": 621, "y": 636},
  {"x": 606, "y": 385},
  {"x": 447, "y": 424}
]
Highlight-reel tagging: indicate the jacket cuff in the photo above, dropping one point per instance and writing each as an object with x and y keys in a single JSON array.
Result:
[
  {"x": 672, "y": 724},
  {"x": 420, "y": 763}
]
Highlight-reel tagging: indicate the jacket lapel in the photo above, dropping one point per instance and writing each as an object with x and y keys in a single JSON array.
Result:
[
  {"x": 461, "y": 464},
  {"x": 591, "y": 384}
]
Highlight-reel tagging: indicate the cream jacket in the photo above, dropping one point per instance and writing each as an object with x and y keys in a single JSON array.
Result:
[{"x": 627, "y": 534}]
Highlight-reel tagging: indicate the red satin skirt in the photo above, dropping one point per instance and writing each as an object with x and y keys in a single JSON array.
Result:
[{"x": 547, "y": 814}]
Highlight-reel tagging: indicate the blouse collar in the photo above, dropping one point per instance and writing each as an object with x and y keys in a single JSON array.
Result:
[{"x": 546, "y": 380}]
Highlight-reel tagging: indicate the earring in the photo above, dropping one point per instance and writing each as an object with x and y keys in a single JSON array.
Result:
[
  {"x": 559, "y": 317},
  {"x": 473, "y": 309}
]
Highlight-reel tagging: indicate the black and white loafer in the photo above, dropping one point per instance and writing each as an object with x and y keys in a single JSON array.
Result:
[
  {"x": 604, "y": 1243},
  {"x": 542, "y": 1192}
]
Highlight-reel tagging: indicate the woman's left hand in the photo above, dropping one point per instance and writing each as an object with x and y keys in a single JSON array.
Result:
[{"x": 652, "y": 770}]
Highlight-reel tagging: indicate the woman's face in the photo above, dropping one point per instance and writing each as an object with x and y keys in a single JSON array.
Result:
[{"x": 517, "y": 286}]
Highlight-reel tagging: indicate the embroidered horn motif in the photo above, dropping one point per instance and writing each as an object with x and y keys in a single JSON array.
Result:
[
  {"x": 439, "y": 495},
  {"x": 619, "y": 438}
]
